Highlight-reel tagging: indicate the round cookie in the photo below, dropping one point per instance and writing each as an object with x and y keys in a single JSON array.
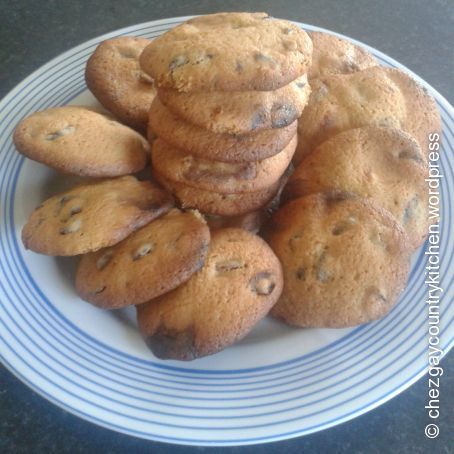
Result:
[
  {"x": 376, "y": 96},
  {"x": 79, "y": 141},
  {"x": 93, "y": 216},
  {"x": 345, "y": 260},
  {"x": 218, "y": 305},
  {"x": 199, "y": 142},
  {"x": 228, "y": 52},
  {"x": 333, "y": 55},
  {"x": 152, "y": 261},
  {"x": 218, "y": 176},
  {"x": 384, "y": 164},
  {"x": 114, "y": 76},
  {"x": 239, "y": 112},
  {"x": 215, "y": 203}
]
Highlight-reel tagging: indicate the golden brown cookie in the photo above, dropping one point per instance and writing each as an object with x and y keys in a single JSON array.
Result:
[
  {"x": 152, "y": 261},
  {"x": 334, "y": 55},
  {"x": 239, "y": 112},
  {"x": 80, "y": 141},
  {"x": 384, "y": 164},
  {"x": 93, "y": 216},
  {"x": 218, "y": 176},
  {"x": 345, "y": 260},
  {"x": 216, "y": 203},
  {"x": 376, "y": 96},
  {"x": 114, "y": 76},
  {"x": 220, "y": 304},
  {"x": 199, "y": 142},
  {"x": 228, "y": 52}
]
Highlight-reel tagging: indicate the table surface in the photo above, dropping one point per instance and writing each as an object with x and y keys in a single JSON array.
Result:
[{"x": 416, "y": 33}]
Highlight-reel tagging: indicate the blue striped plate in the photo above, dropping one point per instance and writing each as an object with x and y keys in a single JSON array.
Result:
[{"x": 277, "y": 383}]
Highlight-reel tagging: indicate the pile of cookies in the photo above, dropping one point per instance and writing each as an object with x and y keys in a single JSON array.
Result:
[
  {"x": 230, "y": 90},
  {"x": 219, "y": 99}
]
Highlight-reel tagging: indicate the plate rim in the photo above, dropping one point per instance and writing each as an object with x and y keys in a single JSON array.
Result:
[{"x": 353, "y": 414}]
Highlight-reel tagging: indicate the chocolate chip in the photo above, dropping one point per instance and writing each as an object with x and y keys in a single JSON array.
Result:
[
  {"x": 173, "y": 345},
  {"x": 216, "y": 171},
  {"x": 293, "y": 241},
  {"x": 127, "y": 52},
  {"x": 343, "y": 226},
  {"x": 72, "y": 227},
  {"x": 287, "y": 31},
  {"x": 239, "y": 67},
  {"x": 75, "y": 210},
  {"x": 262, "y": 58},
  {"x": 258, "y": 119},
  {"x": 142, "y": 251},
  {"x": 178, "y": 61},
  {"x": 262, "y": 283},
  {"x": 60, "y": 133},
  {"x": 320, "y": 272},
  {"x": 301, "y": 273},
  {"x": 374, "y": 295},
  {"x": 301, "y": 84},
  {"x": 104, "y": 260},
  {"x": 410, "y": 210},
  {"x": 410, "y": 154},
  {"x": 282, "y": 115},
  {"x": 229, "y": 265},
  {"x": 289, "y": 45},
  {"x": 337, "y": 197},
  {"x": 350, "y": 66}
]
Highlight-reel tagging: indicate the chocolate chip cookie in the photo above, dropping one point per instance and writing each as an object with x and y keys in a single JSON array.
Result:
[
  {"x": 228, "y": 52},
  {"x": 239, "y": 112},
  {"x": 93, "y": 216},
  {"x": 333, "y": 55},
  {"x": 345, "y": 260},
  {"x": 79, "y": 141},
  {"x": 384, "y": 164},
  {"x": 220, "y": 304},
  {"x": 154, "y": 260},
  {"x": 114, "y": 76},
  {"x": 218, "y": 176},
  {"x": 199, "y": 142}
]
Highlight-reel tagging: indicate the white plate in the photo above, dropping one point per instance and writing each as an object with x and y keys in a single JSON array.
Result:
[{"x": 275, "y": 384}]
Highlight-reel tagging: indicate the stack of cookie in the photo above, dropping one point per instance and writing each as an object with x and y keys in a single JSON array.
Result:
[{"x": 223, "y": 126}]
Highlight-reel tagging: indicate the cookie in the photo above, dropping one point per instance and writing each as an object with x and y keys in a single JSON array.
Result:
[
  {"x": 215, "y": 203},
  {"x": 218, "y": 176},
  {"x": 93, "y": 216},
  {"x": 199, "y": 142},
  {"x": 220, "y": 304},
  {"x": 79, "y": 141},
  {"x": 423, "y": 116},
  {"x": 384, "y": 164},
  {"x": 114, "y": 76},
  {"x": 375, "y": 96},
  {"x": 239, "y": 112},
  {"x": 228, "y": 52},
  {"x": 345, "y": 260},
  {"x": 333, "y": 55},
  {"x": 152, "y": 261},
  {"x": 252, "y": 222}
]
